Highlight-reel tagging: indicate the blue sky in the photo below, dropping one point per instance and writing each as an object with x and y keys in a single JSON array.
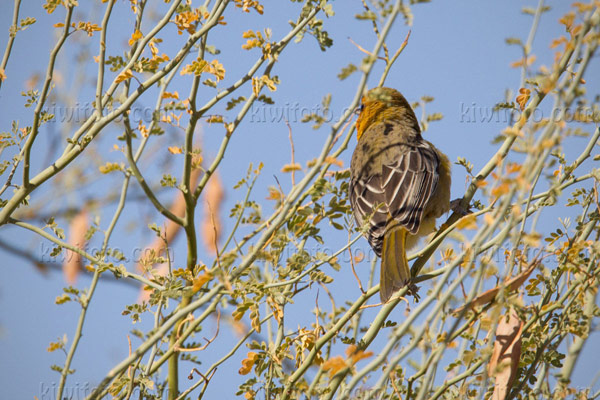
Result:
[{"x": 456, "y": 53}]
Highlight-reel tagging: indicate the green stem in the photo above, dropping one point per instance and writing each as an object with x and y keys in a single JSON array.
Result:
[{"x": 11, "y": 37}]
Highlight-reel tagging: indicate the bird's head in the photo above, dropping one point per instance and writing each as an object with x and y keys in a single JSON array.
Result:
[{"x": 381, "y": 104}]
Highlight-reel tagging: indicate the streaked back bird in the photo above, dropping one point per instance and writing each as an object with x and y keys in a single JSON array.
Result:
[{"x": 400, "y": 182}]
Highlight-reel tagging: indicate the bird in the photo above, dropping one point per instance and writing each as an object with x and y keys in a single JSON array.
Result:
[{"x": 399, "y": 183}]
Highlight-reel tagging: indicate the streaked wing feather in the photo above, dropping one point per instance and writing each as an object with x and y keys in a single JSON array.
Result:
[
  {"x": 365, "y": 195},
  {"x": 409, "y": 184}
]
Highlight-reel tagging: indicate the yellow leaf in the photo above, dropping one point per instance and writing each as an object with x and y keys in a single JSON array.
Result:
[
  {"x": 510, "y": 131},
  {"x": 59, "y": 25},
  {"x": 523, "y": 98},
  {"x": 137, "y": 35},
  {"x": 334, "y": 365},
  {"x": 467, "y": 222},
  {"x": 498, "y": 191},
  {"x": 524, "y": 62},
  {"x": 291, "y": 167},
  {"x": 582, "y": 7},
  {"x": 276, "y": 308},
  {"x": 54, "y": 346},
  {"x": 334, "y": 161},
  {"x": 258, "y": 83},
  {"x": 356, "y": 355},
  {"x": 197, "y": 67},
  {"x": 153, "y": 49},
  {"x": 109, "y": 167},
  {"x": 215, "y": 119},
  {"x": 175, "y": 150},
  {"x": 229, "y": 128},
  {"x": 248, "y": 34},
  {"x": 557, "y": 42},
  {"x": 567, "y": 20},
  {"x": 238, "y": 314},
  {"x": 169, "y": 95},
  {"x": 516, "y": 210},
  {"x": 248, "y": 363},
  {"x": 123, "y": 76},
  {"x": 216, "y": 68},
  {"x": 2, "y": 75},
  {"x": 513, "y": 167},
  {"x": 201, "y": 280},
  {"x": 274, "y": 194},
  {"x": 269, "y": 83},
  {"x": 256, "y": 86},
  {"x": 532, "y": 240}
]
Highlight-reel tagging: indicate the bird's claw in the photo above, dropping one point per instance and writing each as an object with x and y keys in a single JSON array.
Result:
[
  {"x": 413, "y": 290},
  {"x": 457, "y": 207}
]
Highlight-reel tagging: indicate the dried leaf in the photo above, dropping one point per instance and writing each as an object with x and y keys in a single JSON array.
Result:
[
  {"x": 506, "y": 354},
  {"x": 73, "y": 262},
  {"x": 489, "y": 295},
  {"x": 214, "y": 195}
]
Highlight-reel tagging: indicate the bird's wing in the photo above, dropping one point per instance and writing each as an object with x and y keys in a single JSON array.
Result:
[
  {"x": 408, "y": 184},
  {"x": 368, "y": 197}
]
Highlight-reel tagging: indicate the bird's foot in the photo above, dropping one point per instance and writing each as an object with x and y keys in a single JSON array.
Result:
[
  {"x": 457, "y": 207},
  {"x": 412, "y": 290}
]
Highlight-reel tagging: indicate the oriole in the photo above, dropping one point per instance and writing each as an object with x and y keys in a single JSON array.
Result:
[{"x": 398, "y": 179}]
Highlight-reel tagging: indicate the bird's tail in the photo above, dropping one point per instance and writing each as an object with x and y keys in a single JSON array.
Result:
[{"x": 395, "y": 273}]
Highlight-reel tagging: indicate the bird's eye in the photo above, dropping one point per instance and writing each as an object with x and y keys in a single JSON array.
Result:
[{"x": 361, "y": 108}]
